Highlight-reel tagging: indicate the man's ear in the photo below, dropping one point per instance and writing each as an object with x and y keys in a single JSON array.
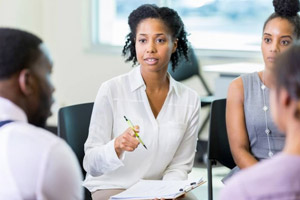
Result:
[{"x": 26, "y": 82}]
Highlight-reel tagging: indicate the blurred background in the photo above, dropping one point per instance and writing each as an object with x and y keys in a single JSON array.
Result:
[{"x": 85, "y": 38}]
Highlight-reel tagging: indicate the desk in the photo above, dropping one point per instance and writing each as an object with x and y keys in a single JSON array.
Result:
[{"x": 228, "y": 72}]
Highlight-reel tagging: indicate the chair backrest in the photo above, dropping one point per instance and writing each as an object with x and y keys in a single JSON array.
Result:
[
  {"x": 187, "y": 69},
  {"x": 73, "y": 126},
  {"x": 218, "y": 145}
]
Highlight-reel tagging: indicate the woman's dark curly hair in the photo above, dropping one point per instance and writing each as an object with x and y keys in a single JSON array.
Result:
[
  {"x": 286, "y": 9},
  {"x": 170, "y": 18}
]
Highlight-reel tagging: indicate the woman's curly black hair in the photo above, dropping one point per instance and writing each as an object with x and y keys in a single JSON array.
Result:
[
  {"x": 170, "y": 18},
  {"x": 286, "y": 9}
]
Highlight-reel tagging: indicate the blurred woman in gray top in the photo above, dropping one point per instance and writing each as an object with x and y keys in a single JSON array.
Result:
[
  {"x": 251, "y": 132},
  {"x": 277, "y": 178}
]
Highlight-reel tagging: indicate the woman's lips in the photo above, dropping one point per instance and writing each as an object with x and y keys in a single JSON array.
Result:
[
  {"x": 151, "y": 61},
  {"x": 271, "y": 59}
]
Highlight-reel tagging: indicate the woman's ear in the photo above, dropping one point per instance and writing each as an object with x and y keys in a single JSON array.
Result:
[
  {"x": 26, "y": 82},
  {"x": 175, "y": 43}
]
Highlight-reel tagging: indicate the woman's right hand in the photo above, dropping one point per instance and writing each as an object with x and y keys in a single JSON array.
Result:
[{"x": 127, "y": 141}]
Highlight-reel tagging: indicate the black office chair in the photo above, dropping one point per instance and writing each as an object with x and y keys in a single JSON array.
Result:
[
  {"x": 187, "y": 69},
  {"x": 73, "y": 126},
  {"x": 218, "y": 146}
]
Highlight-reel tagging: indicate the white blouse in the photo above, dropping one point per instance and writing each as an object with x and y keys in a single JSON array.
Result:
[{"x": 170, "y": 138}]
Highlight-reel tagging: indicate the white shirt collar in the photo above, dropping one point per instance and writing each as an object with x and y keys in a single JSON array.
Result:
[
  {"x": 10, "y": 111},
  {"x": 173, "y": 85},
  {"x": 137, "y": 81}
]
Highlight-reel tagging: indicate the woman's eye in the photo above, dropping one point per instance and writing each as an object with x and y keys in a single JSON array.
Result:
[
  {"x": 285, "y": 42},
  {"x": 160, "y": 40},
  {"x": 267, "y": 40},
  {"x": 142, "y": 40}
]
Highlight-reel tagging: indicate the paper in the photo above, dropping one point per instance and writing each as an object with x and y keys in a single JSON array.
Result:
[{"x": 151, "y": 189}]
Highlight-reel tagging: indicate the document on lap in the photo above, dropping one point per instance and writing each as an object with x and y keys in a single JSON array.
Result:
[{"x": 151, "y": 189}]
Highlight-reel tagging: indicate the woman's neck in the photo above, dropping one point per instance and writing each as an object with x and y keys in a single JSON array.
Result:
[
  {"x": 156, "y": 81},
  {"x": 266, "y": 77}
]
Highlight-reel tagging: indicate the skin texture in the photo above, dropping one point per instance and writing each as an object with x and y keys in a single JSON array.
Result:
[
  {"x": 154, "y": 47},
  {"x": 277, "y": 37}
]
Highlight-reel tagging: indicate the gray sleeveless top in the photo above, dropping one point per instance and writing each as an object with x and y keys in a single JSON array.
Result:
[{"x": 255, "y": 120}]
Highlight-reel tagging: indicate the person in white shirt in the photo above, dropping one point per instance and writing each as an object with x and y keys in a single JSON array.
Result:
[
  {"x": 165, "y": 112},
  {"x": 34, "y": 163}
]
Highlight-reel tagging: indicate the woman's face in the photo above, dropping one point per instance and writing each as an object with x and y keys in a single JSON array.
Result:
[
  {"x": 278, "y": 35},
  {"x": 154, "y": 45}
]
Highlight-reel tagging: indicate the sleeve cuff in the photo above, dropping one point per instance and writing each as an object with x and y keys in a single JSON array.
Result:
[{"x": 112, "y": 157}]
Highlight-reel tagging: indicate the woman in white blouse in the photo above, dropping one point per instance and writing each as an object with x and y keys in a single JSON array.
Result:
[{"x": 165, "y": 111}]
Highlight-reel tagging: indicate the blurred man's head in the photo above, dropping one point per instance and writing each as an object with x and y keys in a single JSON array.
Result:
[
  {"x": 25, "y": 68},
  {"x": 285, "y": 91}
]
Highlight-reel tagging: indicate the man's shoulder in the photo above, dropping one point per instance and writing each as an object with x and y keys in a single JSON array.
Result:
[
  {"x": 54, "y": 161},
  {"x": 34, "y": 135}
]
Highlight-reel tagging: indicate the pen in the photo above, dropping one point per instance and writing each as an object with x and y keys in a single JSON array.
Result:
[{"x": 136, "y": 134}]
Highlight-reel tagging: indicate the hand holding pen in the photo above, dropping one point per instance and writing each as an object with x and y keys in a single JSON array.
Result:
[
  {"x": 136, "y": 133},
  {"x": 127, "y": 141}
]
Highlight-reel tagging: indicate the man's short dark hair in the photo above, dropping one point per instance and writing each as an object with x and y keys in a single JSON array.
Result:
[{"x": 18, "y": 50}]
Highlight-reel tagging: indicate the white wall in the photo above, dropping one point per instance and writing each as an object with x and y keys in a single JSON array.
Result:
[
  {"x": 24, "y": 14},
  {"x": 63, "y": 24},
  {"x": 78, "y": 73}
]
